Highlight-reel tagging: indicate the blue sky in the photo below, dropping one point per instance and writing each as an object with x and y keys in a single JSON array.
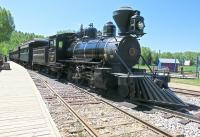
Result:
[{"x": 171, "y": 25}]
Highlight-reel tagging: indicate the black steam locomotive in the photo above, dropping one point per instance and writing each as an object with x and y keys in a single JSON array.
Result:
[{"x": 104, "y": 62}]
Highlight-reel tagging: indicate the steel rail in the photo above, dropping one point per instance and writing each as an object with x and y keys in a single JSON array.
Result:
[
  {"x": 92, "y": 130},
  {"x": 173, "y": 112},
  {"x": 186, "y": 91},
  {"x": 89, "y": 128},
  {"x": 155, "y": 129}
]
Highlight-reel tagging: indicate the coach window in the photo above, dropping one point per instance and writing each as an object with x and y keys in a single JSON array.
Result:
[{"x": 60, "y": 44}]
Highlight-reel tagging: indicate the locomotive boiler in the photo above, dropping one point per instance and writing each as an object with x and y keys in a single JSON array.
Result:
[
  {"x": 118, "y": 52},
  {"x": 108, "y": 50}
]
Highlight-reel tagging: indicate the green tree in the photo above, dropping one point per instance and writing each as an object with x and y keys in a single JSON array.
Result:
[
  {"x": 166, "y": 55},
  {"x": 16, "y": 39},
  {"x": 181, "y": 56},
  {"x": 66, "y": 31},
  {"x": 155, "y": 57},
  {"x": 3, "y": 48},
  {"x": 6, "y": 24},
  {"x": 146, "y": 53}
]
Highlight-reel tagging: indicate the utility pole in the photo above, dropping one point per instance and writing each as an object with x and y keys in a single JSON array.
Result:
[
  {"x": 175, "y": 66},
  {"x": 197, "y": 67}
]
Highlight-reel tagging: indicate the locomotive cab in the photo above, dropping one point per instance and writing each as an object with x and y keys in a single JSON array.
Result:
[{"x": 58, "y": 45}]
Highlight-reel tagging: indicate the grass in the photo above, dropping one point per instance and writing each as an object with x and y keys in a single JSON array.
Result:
[
  {"x": 189, "y": 68},
  {"x": 140, "y": 66},
  {"x": 195, "y": 82}
]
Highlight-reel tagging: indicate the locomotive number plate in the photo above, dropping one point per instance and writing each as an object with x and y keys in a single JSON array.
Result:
[{"x": 131, "y": 51}]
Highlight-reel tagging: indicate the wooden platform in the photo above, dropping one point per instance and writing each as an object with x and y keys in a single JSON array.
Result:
[{"x": 22, "y": 110}]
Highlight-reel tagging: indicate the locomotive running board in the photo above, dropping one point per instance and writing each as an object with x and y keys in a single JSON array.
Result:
[
  {"x": 79, "y": 61},
  {"x": 142, "y": 88}
]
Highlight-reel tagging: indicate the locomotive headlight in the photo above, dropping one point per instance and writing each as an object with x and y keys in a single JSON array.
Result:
[{"x": 140, "y": 25}]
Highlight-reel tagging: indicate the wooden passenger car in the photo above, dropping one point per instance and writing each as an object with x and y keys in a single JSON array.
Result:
[
  {"x": 26, "y": 50},
  {"x": 14, "y": 55}
]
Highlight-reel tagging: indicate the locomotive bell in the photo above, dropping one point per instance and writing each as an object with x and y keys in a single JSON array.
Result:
[{"x": 91, "y": 32}]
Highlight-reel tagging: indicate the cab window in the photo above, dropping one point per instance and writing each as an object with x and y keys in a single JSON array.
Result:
[
  {"x": 51, "y": 43},
  {"x": 60, "y": 44}
]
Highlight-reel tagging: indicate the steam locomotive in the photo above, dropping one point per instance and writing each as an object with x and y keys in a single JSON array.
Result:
[{"x": 104, "y": 62}]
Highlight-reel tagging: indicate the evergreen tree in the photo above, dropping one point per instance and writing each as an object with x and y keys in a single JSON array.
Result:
[{"x": 7, "y": 25}]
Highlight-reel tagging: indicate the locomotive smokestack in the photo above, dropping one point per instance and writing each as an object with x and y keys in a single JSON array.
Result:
[{"x": 122, "y": 19}]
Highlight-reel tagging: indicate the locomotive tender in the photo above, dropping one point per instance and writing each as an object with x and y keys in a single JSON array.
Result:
[{"x": 104, "y": 62}]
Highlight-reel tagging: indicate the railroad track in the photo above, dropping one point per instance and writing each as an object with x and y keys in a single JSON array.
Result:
[
  {"x": 97, "y": 116},
  {"x": 68, "y": 122},
  {"x": 186, "y": 91},
  {"x": 173, "y": 113},
  {"x": 170, "y": 112}
]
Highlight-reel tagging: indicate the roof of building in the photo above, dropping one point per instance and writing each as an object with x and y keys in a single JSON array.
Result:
[{"x": 165, "y": 60}]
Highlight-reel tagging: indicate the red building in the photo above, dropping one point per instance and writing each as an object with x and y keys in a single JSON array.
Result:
[{"x": 171, "y": 64}]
